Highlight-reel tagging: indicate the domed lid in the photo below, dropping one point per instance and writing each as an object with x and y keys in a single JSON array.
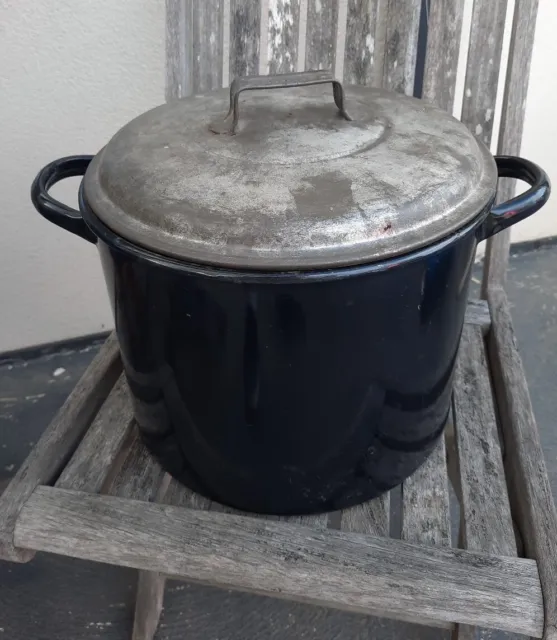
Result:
[{"x": 288, "y": 181}]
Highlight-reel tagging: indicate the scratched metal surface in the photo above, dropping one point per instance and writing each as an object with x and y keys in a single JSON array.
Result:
[{"x": 298, "y": 186}]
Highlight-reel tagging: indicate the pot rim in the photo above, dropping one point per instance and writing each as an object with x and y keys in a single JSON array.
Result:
[{"x": 114, "y": 240}]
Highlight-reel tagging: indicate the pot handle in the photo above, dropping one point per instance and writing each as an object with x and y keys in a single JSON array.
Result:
[
  {"x": 53, "y": 210},
  {"x": 278, "y": 81},
  {"x": 516, "y": 209}
]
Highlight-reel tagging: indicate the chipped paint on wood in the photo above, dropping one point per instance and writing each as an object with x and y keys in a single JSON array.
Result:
[
  {"x": 403, "y": 20},
  {"x": 207, "y": 45},
  {"x": 321, "y": 34},
  {"x": 359, "y": 53},
  {"x": 245, "y": 26},
  {"x": 282, "y": 43},
  {"x": 482, "y": 76}
]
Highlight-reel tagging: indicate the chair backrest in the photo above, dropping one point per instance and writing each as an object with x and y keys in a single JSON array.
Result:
[{"x": 375, "y": 42}]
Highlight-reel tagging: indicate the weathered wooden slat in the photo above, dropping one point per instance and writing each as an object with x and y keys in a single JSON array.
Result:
[
  {"x": 245, "y": 33},
  {"x": 180, "y": 496},
  {"x": 282, "y": 40},
  {"x": 359, "y": 53},
  {"x": 207, "y": 34},
  {"x": 477, "y": 313},
  {"x": 371, "y": 517},
  {"x": 340, "y": 37},
  {"x": 140, "y": 477},
  {"x": 302, "y": 33},
  {"x": 512, "y": 125},
  {"x": 321, "y": 34},
  {"x": 425, "y": 502},
  {"x": 49, "y": 456},
  {"x": 482, "y": 69},
  {"x": 96, "y": 453},
  {"x": 403, "y": 21},
  {"x": 332, "y": 568},
  {"x": 443, "y": 47},
  {"x": 524, "y": 458},
  {"x": 487, "y": 524},
  {"x": 178, "y": 49},
  {"x": 148, "y": 605}
]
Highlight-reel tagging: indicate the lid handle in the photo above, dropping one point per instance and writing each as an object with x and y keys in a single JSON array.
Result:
[{"x": 280, "y": 81}]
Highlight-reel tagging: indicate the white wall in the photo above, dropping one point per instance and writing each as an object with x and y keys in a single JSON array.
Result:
[
  {"x": 540, "y": 127},
  {"x": 71, "y": 73}
]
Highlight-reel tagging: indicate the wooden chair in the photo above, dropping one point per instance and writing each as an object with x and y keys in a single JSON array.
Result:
[{"x": 90, "y": 490}]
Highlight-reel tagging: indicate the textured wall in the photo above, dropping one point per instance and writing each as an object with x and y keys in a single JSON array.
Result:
[{"x": 71, "y": 73}]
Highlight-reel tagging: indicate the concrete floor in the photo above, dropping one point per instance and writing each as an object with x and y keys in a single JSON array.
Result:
[{"x": 61, "y": 598}]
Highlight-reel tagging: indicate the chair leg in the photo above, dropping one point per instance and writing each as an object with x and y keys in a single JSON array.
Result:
[{"x": 148, "y": 605}]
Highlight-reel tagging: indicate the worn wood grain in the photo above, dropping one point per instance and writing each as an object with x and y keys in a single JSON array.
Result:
[
  {"x": 425, "y": 502},
  {"x": 206, "y": 30},
  {"x": 486, "y": 523},
  {"x": 359, "y": 53},
  {"x": 332, "y": 568},
  {"x": 403, "y": 21},
  {"x": 179, "y": 71},
  {"x": 141, "y": 478},
  {"x": 302, "y": 33},
  {"x": 371, "y": 517},
  {"x": 340, "y": 37},
  {"x": 245, "y": 33},
  {"x": 321, "y": 34},
  {"x": 512, "y": 125},
  {"x": 96, "y": 453},
  {"x": 55, "y": 447},
  {"x": 442, "y": 51},
  {"x": 477, "y": 313},
  {"x": 487, "y": 516},
  {"x": 524, "y": 459},
  {"x": 148, "y": 605},
  {"x": 482, "y": 68},
  {"x": 282, "y": 39}
]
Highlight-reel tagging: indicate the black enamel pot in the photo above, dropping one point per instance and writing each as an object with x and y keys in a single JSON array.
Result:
[{"x": 272, "y": 385}]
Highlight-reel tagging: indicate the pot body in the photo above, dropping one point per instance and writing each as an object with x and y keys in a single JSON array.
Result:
[
  {"x": 293, "y": 392},
  {"x": 290, "y": 394}
]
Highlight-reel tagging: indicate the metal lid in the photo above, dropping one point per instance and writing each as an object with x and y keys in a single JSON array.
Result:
[{"x": 290, "y": 181}]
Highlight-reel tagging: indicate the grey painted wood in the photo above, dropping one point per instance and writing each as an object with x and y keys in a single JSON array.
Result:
[
  {"x": 207, "y": 25},
  {"x": 49, "y": 456},
  {"x": 282, "y": 40},
  {"x": 443, "y": 47},
  {"x": 148, "y": 605},
  {"x": 477, "y": 313},
  {"x": 486, "y": 523},
  {"x": 372, "y": 517},
  {"x": 140, "y": 477},
  {"x": 425, "y": 502},
  {"x": 512, "y": 125},
  {"x": 360, "y": 52},
  {"x": 482, "y": 69},
  {"x": 321, "y": 34},
  {"x": 332, "y": 568},
  {"x": 403, "y": 21},
  {"x": 487, "y": 516},
  {"x": 245, "y": 26},
  {"x": 91, "y": 463},
  {"x": 179, "y": 77},
  {"x": 524, "y": 460},
  {"x": 180, "y": 496}
]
